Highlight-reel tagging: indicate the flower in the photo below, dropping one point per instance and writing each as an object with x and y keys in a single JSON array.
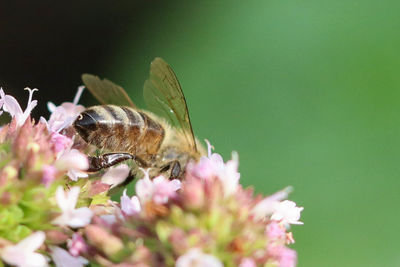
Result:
[
  {"x": 287, "y": 212},
  {"x": 195, "y": 258},
  {"x": 266, "y": 206},
  {"x": 214, "y": 166},
  {"x": 70, "y": 216},
  {"x": 158, "y": 190},
  {"x": 49, "y": 174},
  {"x": 23, "y": 254},
  {"x": 275, "y": 231},
  {"x": 247, "y": 262},
  {"x": 116, "y": 175},
  {"x": 60, "y": 142},
  {"x": 77, "y": 245},
  {"x": 75, "y": 162},
  {"x": 64, "y": 115},
  {"x": 62, "y": 258},
  {"x": 285, "y": 257},
  {"x": 130, "y": 206},
  {"x": 288, "y": 257},
  {"x": 11, "y": 105}
]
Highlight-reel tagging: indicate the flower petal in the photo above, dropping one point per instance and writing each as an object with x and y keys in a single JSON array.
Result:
[
  {"x": 62, "y": 258},
  {"x": 116, "y": 175}
]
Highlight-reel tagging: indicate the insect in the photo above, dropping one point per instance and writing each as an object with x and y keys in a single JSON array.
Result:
[{"x": 161, "y": 139}]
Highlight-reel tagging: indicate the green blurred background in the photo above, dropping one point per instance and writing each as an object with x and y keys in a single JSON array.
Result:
[{"x": 308, "y": 93}]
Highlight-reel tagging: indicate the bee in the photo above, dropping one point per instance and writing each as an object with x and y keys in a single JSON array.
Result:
[{"x": 161, "y": 139}]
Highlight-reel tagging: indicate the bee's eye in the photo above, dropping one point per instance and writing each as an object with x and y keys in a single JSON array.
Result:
[{"x": 85, "y": 121}]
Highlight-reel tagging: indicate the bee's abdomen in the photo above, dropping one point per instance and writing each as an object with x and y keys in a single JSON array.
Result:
[{"x": 120, "y": 129}]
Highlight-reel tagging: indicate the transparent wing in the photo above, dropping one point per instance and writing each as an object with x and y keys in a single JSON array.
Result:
[
  {"x": 163, "y": 95},
  {"x": 107, "y": 92}
]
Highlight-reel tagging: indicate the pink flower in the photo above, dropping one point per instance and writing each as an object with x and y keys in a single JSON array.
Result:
[
  {"x": 247, "y": 262},
  {"x": 116, "y": 175},
  {"x": 275, "y": 231},
  {"x": 63, "y": 116},
  {"x": 11, "y": 105},
  {"x": 23, "y": 254},
  {"x": 288, "y": 258},
  {"x": 285, "y": 257},
  {"x": 158, "y": 190},
  {"x": 70, "y": 216},
  {"x": 287, "y": 212},
  {"x": 77, "y": 245},
  {"x": 60, "y": 142},
  {"x": 214, "y": 166},
  {"x": 195, "y": 258},
  {"x": 75, "y": 162},
  {"x": 62, "y": 258},
  {"x": 49, "y": 174},
  {"x": 130, "y": 206}
]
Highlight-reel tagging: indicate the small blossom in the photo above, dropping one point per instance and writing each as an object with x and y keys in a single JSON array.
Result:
[
  {"x": 288, "y": 258},
  {"x": 158, "y": 190},
  {"x": 287, "y": 212},
  {"x": 77, "y": 245},
  {"x": 62, "y": 258},
  {"x": 23, "y": 254},
  {"x": 266, "y": 206},
  {"x": 64, "y": 115},
  {"x": 247, "y": 262},
  {"x": 60, "y": 142},
  {"x": 275, "y": 231},
  {"x": 11, "y": 105},
  {"x": 116, "y": 175},
  {"x": 70, "y": 216},
  {"x": 49, "y": 174},
  {"x": 75, "y": 162},
  {"x": 214, "y": 166},
  {"x": 195, "y": 258},
  {"x": 130, "y": 206}
]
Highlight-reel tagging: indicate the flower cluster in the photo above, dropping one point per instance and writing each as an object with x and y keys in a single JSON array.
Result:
[
  {"x": 208, "y": 219},
  {"x": 53, "y": 212},
  {"x": 39, "y": 191}
]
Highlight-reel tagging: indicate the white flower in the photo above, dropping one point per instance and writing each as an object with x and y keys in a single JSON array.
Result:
[
  {"x": 266, "y": 206},
  {"x": 195, "y": 258},
  {"x": 287, "y": 212},
  {"x": 116, "y": 175},
  {"x": 62, "y": 258},
  {"x": 229, "y": 175},
  {"x": 130, "y": 206},
  {"x": 64, "y": 115},
  {"x": 75, "y": 162},
  {"x": 11, "y": 105},
  {"x": 23, "y": 254},
  {"x": 70, "y": 216}
]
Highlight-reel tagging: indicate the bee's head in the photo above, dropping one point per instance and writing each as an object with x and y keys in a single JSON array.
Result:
[{"x": 85, "y": 123}]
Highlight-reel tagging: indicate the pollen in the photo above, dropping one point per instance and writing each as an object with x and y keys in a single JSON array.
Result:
[{"x": 34, "y": 147}]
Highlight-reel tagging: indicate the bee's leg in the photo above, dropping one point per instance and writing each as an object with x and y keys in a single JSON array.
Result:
[
  {"x": 110, "y": 159},
  {"x": 174, "y": 168},
  {"x": 97, "y": 163}
]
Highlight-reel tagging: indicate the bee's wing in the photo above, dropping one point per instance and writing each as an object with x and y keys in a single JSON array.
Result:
[
  {"x": 163, "y": 95},
  {"x": 107, "y": 92}
]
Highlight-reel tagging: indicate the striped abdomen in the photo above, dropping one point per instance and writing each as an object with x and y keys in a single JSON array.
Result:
[{"x": 120, "y": 129}]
